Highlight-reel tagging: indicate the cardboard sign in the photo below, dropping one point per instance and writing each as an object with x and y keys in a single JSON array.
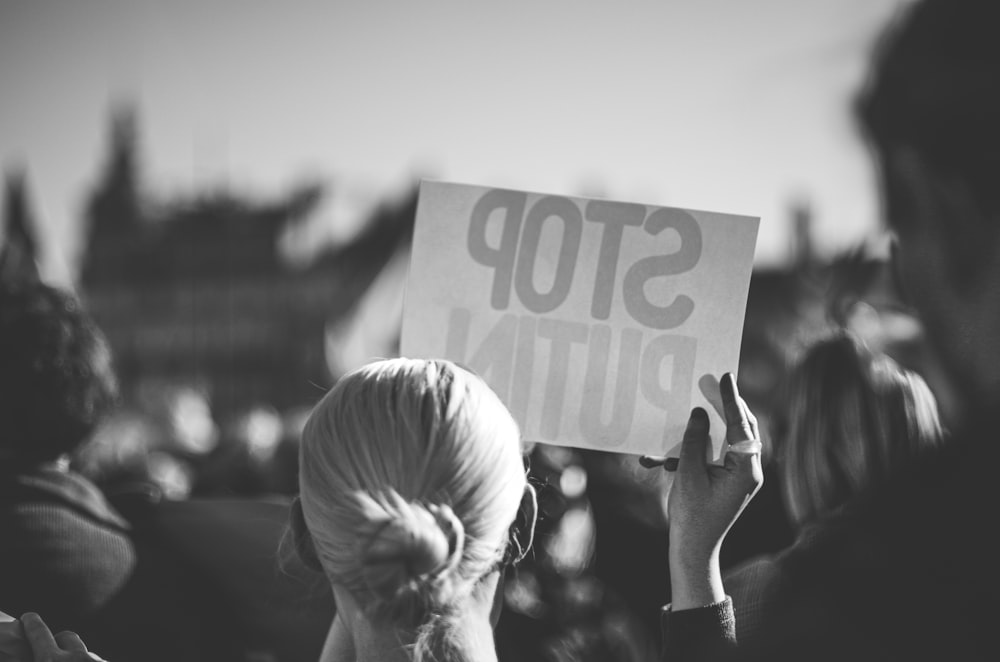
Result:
[{"x": 600, "y": 324}]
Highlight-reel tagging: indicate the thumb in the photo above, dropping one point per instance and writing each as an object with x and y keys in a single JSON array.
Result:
[{"x": 695, "y": 440}]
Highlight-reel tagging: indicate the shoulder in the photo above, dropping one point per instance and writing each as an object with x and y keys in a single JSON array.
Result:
[
  {"x": 751, "y": 585},
  {"x": 752, "y": 571},
  {"x": 60, "y": 522},
  {"x": 63, "y": 496},
  {"x": 909, "y": 569}
]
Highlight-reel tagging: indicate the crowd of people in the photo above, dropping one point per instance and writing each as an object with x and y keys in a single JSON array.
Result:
[{"x": 415, "y": 506}]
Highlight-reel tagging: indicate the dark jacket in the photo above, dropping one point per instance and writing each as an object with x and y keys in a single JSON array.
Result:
[
  {"x": 909, "y": 573},
  {"x": 67, "y": 554},
  {"x": 282, "y": 610}
]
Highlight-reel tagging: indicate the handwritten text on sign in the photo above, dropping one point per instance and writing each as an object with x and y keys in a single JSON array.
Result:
[{"x": 592, "y": 319}]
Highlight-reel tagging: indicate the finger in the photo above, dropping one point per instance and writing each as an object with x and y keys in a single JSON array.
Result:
[
  {"x": 737, "y": 426},
  {"x": 747, "y": 467},
  {"x": 746, "y": 447},
  {"x": 695, "y": 439},
  {"x": 652, "y": 461},
  {"x": 39, "y": 637},
  {"x": 758, "y": 472},
  {"x": 753, "y": 443},
  {"x": 70, "y": 641},
  {"x": 748, "y": 415},
  {"x": 751, "y": 418}
]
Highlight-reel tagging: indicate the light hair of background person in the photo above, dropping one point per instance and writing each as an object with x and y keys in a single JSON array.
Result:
[{"x": 853, "y": 419}]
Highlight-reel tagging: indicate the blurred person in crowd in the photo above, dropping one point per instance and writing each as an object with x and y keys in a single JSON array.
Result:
[
  {"x": 257, "y": 455},
  {"x": 852, "y": 419},
  {"x": 557, "y": 606},
  {"x": 908, "y": 571},
  {"x": 153, "y": 445},
  {"x": 65, "y": 551},
  {"x": 865, "y": 299},
  {"x": 411, "y": 479}
]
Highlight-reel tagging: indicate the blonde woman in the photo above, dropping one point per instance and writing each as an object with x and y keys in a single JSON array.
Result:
[
  {"x": 853, "y": 420},
  {"x": 411, "y": 477}
]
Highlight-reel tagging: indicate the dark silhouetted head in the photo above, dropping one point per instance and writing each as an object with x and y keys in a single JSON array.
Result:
[
  {"x": 931, "y": 108},
  {"x": 56, "y": 377}
]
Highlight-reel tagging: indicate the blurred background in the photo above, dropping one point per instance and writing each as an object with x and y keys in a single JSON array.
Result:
[{"x": 230, "y": 187}]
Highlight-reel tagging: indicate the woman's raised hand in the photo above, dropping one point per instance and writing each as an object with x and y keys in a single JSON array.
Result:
[{"x": 705, "y": 499}]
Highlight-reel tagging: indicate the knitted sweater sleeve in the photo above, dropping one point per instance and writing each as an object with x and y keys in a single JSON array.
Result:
[{"x": 696, "y": 635}]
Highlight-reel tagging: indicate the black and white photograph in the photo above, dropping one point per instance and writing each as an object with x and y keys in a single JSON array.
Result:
[{"x": 639, "y": 331}]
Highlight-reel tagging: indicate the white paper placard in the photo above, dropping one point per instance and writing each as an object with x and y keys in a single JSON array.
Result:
[{"x": 599, "y": 323}]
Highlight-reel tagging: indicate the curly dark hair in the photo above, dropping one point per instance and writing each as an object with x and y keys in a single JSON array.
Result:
[{"x": 56, "y": 377}]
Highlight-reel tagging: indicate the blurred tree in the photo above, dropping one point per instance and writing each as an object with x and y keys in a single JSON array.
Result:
[{"x": 19, "y": 251}]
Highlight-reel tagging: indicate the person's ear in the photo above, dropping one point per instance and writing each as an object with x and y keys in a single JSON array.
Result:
[
  {"x": 304, "y": 546},
  {"x": 944, "y": 207},
  {"x": 520, "y": 538},
  {"x": 522, "y": 531}
]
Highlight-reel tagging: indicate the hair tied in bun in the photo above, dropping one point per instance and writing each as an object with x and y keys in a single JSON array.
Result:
[
  {"x": 454, "y": 532},
  {"x": 407, "y": 546}
]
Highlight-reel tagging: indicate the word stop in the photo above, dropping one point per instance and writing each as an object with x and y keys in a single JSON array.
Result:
[{"x": 514, "y": 257}]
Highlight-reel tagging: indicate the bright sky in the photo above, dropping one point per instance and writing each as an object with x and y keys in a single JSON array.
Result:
[{"x": 731, "y": 105}]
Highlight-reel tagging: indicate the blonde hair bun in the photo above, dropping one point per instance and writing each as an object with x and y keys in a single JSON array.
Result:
[{"x": 407, "y": 551}]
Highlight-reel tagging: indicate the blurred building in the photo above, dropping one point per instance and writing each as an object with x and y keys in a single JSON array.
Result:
[{"x": 197, "y": 292}]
